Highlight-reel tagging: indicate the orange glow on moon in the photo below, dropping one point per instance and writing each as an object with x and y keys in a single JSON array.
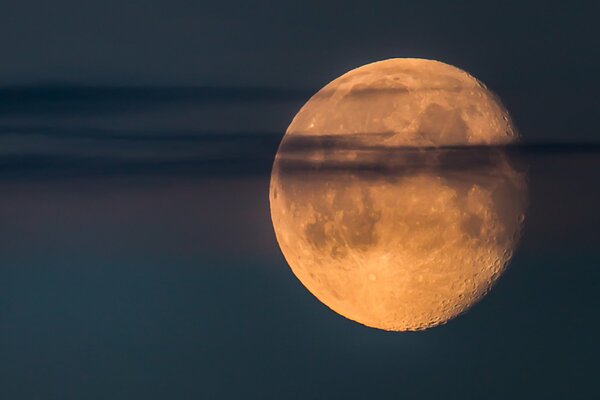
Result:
[{"x": 376, "y": 215}]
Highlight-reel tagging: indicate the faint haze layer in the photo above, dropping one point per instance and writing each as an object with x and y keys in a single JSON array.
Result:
[{"x": 53, "y": 130}]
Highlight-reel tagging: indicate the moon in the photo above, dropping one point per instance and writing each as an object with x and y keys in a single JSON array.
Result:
[{"x": 391, "y": 197}]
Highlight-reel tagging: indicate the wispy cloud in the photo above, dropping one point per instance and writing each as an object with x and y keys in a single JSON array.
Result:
[
  {"x": 85, "y": 100},
  {"x": 84, "y": 130}
]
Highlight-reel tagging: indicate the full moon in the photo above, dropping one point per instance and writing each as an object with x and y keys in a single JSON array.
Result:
[{"x": 391, "y": 198}]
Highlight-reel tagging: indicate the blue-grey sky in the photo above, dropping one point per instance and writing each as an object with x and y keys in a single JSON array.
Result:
[
  {"x": 290, "y": 43},
  {"x": 138, "y": 259}
]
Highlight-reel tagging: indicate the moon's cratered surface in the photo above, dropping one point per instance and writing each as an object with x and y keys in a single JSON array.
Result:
[
  {"x": 376, "y": 215},
  {"x": 407, "y": 102}
]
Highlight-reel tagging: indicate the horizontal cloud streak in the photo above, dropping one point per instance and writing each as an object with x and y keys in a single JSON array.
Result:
[
  {"x": 182, "y": 135},
  {"x": 78, "y": 100},
  {"x": 250, "y": 153},
  {"x": 83, "y": 130}
]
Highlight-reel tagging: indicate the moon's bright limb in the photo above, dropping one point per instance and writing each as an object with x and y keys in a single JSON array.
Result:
[{"x": 396, "y": 237}]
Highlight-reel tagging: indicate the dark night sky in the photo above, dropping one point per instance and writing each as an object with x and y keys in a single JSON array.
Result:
[
  {"x": 137, "y": 255},
  {"x": 291, "y": 43}
]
